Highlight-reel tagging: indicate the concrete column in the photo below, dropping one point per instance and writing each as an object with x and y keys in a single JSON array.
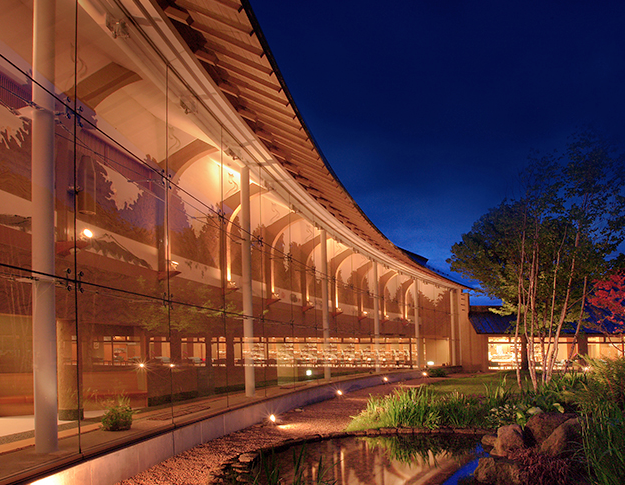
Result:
[
  {"x": 325, "y": 309},
  {"x": 44, "y": 307},
  {"x": 376, "y": 317},
  {"x": 246, "y": 283},
  {"x": 417, "y": 324}
]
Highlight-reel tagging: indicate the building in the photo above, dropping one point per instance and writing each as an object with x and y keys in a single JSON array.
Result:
[{"x": 170, "y": 233}]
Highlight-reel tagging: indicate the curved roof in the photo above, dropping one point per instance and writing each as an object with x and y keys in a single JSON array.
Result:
[{"x": 226, "y": 38}]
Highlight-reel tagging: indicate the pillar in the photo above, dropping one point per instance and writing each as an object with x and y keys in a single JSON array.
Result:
[
  {"x": 246, "y": 284},
  {"x": 376, "y": 317},
  {"x": 417, "y": 324},
  {"x": 44, "y": 305},
  {"x": 325, "y": 309},
  {"x": 453, "y": 307}
]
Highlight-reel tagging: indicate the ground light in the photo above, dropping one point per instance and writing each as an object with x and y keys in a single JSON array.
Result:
[
  {"x": 425, "y": 374},
  {"x": 385, "y": 379},
  {"x": 308, "y": 372}
]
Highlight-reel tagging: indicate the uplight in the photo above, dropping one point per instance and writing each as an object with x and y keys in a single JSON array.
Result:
[
  {"x": 272, "y": 418},
  {"x": 339, "y": 393}
]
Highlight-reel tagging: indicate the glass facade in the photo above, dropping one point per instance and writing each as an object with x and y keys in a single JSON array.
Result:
[{"x": 146, "y": 254}]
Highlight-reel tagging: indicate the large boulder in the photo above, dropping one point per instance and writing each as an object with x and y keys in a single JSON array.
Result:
[
  {"x": 497, "y": 471},
  {"x": 540, "y": 426},
  {"x": 565, "y": 440},
  {"x": 509, "y": 438}
]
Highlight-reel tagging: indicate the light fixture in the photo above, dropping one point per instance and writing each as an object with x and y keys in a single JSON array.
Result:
[
  {"x": 172, "y": 366},
  {"x": 86, "y": 233},
  {"x": 274, "y": 298},
  {"x": 308, "y": 372},
  {"x": 424, "y": 373},
  {"x": 430, "y": 362},
  {"x": 337, "y": 312},
  {"x": 339, "y": 393},
  {"x": 272, "y": 418},
  {"x": 307, "y": 306},
  {"x": 385, "y": 379}
]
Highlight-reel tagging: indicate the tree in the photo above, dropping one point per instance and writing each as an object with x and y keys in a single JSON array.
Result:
[{"x": 537, "y": 253}]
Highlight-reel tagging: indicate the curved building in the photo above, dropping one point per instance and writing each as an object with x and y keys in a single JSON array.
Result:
[{"x": 172, "y": 237}]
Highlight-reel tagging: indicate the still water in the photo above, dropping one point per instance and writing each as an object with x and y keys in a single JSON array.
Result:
[{"x": 386, "y": 460}]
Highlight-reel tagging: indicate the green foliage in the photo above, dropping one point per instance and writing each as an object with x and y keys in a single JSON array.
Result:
[
  {"x": 601, "y": 401},
  {"x": 437, "y": 372},
  {"x": 423, "y": 408},
  {"x": 118, "y": 416},
  {"x": 536, "y": 253}
]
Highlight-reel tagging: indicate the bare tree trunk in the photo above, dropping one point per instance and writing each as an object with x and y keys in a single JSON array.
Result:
[{"x": 579, "y": 324}]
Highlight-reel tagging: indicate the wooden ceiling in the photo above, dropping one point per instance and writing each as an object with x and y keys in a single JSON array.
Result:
[{"x": 225, "y": 37}]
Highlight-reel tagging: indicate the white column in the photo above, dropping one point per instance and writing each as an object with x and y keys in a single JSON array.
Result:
[
  {"x": 453, "y": 323},
  {"x": 44, "y": 308},
  {"x": 417, "y": 324},
  {"x": 376, "y": 316},
  {"x": 325, "y": 309},
  {"x": 246, "y": 283}
]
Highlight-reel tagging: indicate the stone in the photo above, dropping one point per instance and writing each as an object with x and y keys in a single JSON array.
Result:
[
  {"x": 497, "y": 471},
  {"x": 565, "y": 440},
  {"x": 489, "y": 440},
  {"x": 509, "y": 438},
  {"x": 540, "y": 426}
]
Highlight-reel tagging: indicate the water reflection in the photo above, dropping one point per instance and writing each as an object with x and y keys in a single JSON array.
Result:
[{"x": 392, "y": 460}]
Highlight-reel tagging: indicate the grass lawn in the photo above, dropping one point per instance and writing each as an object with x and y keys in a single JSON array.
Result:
[{"x": 475, "y": 384}]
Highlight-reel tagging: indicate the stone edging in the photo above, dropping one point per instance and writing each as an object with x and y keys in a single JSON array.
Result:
[{"x": 235, "y": 469}]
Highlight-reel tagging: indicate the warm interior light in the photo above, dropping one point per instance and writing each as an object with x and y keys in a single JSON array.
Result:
[{"x": 87, "y": 233}]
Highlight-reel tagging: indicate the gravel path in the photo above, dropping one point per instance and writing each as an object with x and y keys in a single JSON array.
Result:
[{"x": 195, "y": 466}]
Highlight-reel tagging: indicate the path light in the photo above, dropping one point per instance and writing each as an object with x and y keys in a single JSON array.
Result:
[
  {"x": 425, "y": 374},
  {"x": 272, "y": 418},
  {"x": 339, "y": 393},
  {"x": 87, "y": 233},
  {"x": 172, "y": 365},
  {"x": 385, "y": 379}
]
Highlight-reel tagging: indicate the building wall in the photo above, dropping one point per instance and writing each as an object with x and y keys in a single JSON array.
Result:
[{"x": 129, "y": 258}]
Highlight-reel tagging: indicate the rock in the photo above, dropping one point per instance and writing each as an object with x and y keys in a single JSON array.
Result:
[
  {"x": 565, "y": 440},
  {"x": 540, "y": 426},
  {"x": 495, "y": 471},
  {"x": 509, "y": 438},
  {"x": 489, "y": 440}
]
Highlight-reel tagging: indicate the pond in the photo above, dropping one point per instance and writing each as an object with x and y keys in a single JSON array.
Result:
[{"x": 380, "y": 460}]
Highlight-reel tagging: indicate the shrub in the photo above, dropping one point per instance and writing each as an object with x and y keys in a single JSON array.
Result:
[
  {"x": 118, "y": 416},
  {"x": 437, "y": 372}
]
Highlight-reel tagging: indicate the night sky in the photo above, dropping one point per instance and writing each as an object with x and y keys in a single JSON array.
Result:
[{"x": 427, "y": 110}]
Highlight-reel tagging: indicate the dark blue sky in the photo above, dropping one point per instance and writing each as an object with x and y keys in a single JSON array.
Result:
[{"x": 428, "y": 110}]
